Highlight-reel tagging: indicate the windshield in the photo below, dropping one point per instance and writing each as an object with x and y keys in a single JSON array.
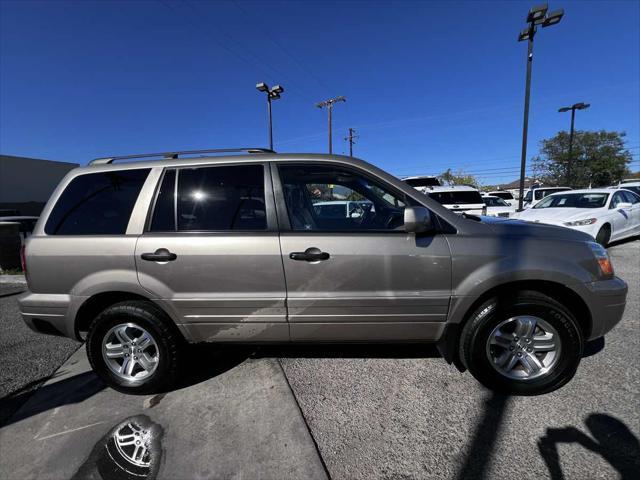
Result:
[
  {"x": 633, "y": 188},
  {"x": 423, "y": 182},
  {"x": 574, "y": 200},
  {"x": 494, "y": 202},
  {"x": 457, "y": 198},
  {"x": 503, "y": 195}
]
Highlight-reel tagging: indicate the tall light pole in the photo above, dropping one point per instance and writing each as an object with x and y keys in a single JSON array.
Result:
[
  {"x": 272, "y": 94},
  {"x": 536, "y": 16},
  {"x": 573, "y": 108},
  {"x": 329, "y": 106}
]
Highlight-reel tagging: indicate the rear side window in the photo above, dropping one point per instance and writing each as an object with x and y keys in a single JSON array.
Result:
[
  {"x": 96, "y": 204},
  {"x": 211, "y": 199}
]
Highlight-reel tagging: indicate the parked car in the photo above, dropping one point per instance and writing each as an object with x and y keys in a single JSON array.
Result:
[
  {"x": 605, "y": 214},
  {"x": 504, "y": 195},
  {"x": 535, "y": 194},
  {"x": 633, "y": 186},
  {"x": 497, "y": 207},
  {"x": 143, "y": 257},
  {"x": 460, "y": 199},
  {"x": 422, "y": 182},
  {"x": 27, "y": 223}
]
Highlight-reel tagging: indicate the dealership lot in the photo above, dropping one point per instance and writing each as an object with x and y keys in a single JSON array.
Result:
[{"x": 361, "y": 412}]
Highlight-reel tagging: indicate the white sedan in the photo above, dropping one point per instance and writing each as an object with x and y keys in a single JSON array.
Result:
[
  {"x": 607, "y": 215},
  {"x": 497, "y": 207}
]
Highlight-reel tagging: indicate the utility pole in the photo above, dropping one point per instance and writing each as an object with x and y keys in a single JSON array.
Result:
[
  {"x": 351, "y": 141},
  {"x": 536, "y": 16},
  {"x": 329, "y": 106},
  {"x": 573, "y": 108}
]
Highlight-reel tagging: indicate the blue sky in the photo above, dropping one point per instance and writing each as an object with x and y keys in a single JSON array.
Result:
[{"x": 429, "y": 85}]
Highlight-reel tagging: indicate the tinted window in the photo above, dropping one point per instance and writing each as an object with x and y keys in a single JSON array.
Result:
[
  {"x": 503, "y": 195},
  {"x": 631, "y": 197},
  {"x": 221, "y": 198},
  {"x": 634, "y": 189},
  {"x": 617, "y": 198},
  {"x": 96, "y": 204},
  {"x": 164, "y": 211},
  {"x": 574, "y": 200},
  {"x": 457, "y": 197},
  {"x": 327, "y": 198},
  {"x": 423, "y": 182},
  {"x": 494, "y": 202}
]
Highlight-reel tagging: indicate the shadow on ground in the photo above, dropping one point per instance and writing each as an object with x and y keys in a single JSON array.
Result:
[{"x": 610, "y": 438}]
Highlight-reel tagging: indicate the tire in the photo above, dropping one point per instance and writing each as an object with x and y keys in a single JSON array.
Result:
[
  {"x": 604, "y": 235},
  {"x": 501, "y": 314},
  {"x": 130, "y": 319}
]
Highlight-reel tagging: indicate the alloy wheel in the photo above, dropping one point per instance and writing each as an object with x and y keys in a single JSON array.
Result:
[
  {"x": 523, "y": 347},
  {"x": 130, "y": 352}
]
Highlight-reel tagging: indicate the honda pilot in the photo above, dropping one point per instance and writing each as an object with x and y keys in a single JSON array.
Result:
[{"x": 141, "y": 257}]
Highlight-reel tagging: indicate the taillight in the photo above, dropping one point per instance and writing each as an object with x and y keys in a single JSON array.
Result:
[{"x": 23, "y": 259}]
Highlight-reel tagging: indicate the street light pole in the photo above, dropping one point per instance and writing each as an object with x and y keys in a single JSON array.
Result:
[
  {"x": 536, "y": 16},
  {"x": 328, "y": 104},
  {"x": 573, "y": 108},
  {"x": 525, "y": 123},
  {"x": 272, "y": 94}
]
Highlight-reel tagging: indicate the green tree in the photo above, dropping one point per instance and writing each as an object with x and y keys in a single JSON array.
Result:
[
  {"x": 598, "y": 159},
  {"x": 458, "y": 178}
]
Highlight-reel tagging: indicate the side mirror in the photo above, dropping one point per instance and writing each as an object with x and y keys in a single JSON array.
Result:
[
  {"x": 417, "y": 219},
  {"x": 621, "y": 205}
]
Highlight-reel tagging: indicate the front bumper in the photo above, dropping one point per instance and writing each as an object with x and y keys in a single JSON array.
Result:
[{"x": 606, "y": 300}]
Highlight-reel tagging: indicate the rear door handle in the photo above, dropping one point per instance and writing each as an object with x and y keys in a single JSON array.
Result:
[
  {"x": 311, "y": 254},
  {"x": 160, "y": 255}
]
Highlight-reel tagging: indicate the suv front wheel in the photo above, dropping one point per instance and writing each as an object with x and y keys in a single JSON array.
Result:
[
  {"x": 525, "y": 343},
  {"x": 133, "y": 348}
]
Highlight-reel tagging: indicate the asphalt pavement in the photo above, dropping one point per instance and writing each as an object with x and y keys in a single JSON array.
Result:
[
  {"x": 27, "y": 359},
  {"x": 353, "y": 412},
  {"x": 383, "y": 416}
]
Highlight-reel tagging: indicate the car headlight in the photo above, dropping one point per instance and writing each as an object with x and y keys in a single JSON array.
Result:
[
  {"x": 602, "y": 256},
  {"x": 579, "y": 223}
]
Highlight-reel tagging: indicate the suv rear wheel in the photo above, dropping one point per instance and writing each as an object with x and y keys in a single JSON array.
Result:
[
  {"x": 525, "y": 343},
  {"x": 133, "y": 348}
]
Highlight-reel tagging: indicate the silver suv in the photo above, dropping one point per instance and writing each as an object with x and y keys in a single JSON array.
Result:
[{"x": 141, "y": 258}]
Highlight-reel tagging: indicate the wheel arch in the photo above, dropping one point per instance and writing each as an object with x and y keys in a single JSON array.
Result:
[
  {"x": 449, "y": 344},
  {"x": 97, "y": 303}
]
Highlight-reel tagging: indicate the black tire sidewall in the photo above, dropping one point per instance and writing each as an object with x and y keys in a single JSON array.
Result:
[
  {"x": 488, "y": 316},
  {"x": 606, "y": 235},
  {"x": 145, "y": 318}
]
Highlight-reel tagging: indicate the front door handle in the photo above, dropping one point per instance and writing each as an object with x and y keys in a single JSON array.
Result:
[
  {"x": 160, "y": 255},
  {"x": 312, "y": 254}
]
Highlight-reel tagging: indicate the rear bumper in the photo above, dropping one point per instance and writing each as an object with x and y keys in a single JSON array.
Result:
[
  {"x": 606, "y": 300},
  {"x": 51, "y": 314}
]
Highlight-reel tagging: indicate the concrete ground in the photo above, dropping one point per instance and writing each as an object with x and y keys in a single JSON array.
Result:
[
  {"x": 390, "y": 416},
  {"x": 347, "y": 412},
  {"x": 241, "y": 422}
]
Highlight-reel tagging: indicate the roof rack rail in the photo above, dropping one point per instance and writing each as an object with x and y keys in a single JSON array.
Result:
[{"x": 174, "y": 155}]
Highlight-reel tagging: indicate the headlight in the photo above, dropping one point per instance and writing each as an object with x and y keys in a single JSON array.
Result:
[
  {"x": 602, "y": 256},
  {"x": 579, "y": 223}
]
